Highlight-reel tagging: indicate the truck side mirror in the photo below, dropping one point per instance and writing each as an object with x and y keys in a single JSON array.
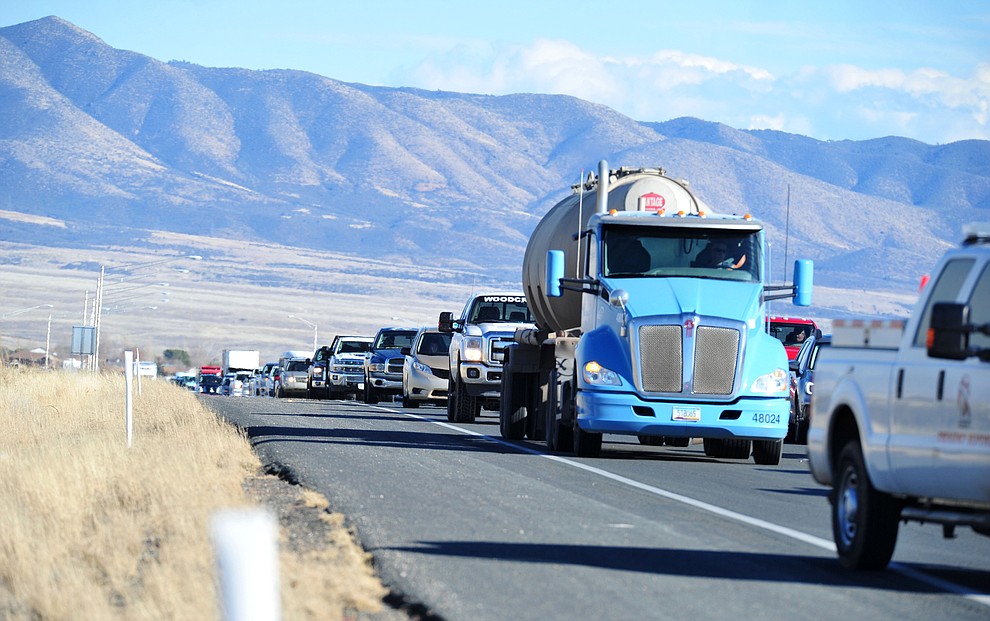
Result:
[
  {"x": 555, "y": 271},
  {"x": 948, "y": 333},
  {"x": 446, "y": 322},
  {"x": 804, "y": 271}
]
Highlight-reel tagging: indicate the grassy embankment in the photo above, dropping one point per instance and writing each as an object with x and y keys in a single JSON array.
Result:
[{"x": 95, "y": 530}]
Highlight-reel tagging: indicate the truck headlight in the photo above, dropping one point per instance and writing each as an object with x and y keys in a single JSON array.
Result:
[
  {"x": 597, "y": 375},
  {"x": 377, "y": 367},
  {"x": 776, "y": 381},
  {"x": 472, "y": 350}
]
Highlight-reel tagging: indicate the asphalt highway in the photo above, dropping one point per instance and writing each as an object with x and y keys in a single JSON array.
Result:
[{"x": 474, "y": 527}]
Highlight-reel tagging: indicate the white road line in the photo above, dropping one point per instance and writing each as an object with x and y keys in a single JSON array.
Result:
[{"x": 818, "y": 542}]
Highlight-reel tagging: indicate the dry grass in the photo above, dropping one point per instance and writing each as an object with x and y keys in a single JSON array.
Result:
[{"x": 94, "y": 530}]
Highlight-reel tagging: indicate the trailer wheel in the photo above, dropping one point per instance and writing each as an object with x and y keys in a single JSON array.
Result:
[
  {"x": 767, "y": 452},
  {"x": 864, "y": 519},
  {"x": 586, "y": 443},
  {"x": 467, "y": 407}
]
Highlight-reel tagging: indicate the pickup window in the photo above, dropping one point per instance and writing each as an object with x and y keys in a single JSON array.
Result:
[
  {"x": 979, "y": 309},
  {"x": 946, "y": 289}
]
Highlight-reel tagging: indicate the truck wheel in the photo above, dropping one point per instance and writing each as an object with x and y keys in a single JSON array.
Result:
[
  {"x": 738, "y": 449},
  {"x": 559, "y": 435},
  {"x": 864, "y": 519},
  {"x": 370, "y": 395},
  {"x": 467, "y": 407},
  {"x": 714, "y": 447},
  {"x": 586, "y": 444},
  {"x": 451, "y": 400},
  {"x": 512, "y": 412},
  {"x": 767, "y": 452}
]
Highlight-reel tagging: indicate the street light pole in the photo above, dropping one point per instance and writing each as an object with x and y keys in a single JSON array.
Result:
[
  {"x": 127, "y": 269},
  {"x": 48, "y": 340},
  {"x": 311, "y": 325}
]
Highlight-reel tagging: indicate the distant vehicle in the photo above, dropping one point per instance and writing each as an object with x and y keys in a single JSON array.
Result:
[
  {"x": 342, "y": 371},
  {"x": 294, "y": 371},
  {"x": 210, "y": 378},
  {"x": 792, "y": 332},
  {"x": 226, "y": 385},
  {"x": 241, "y": 360},
  {"x": 210, "y": 384},
  {"x": 803, "y": 368},
  {"x": 383, "y": 369},
  {"x": 235, "y": 384},
  {"x": 263, "y": 380},
  {"x": 426, "y": 369}
]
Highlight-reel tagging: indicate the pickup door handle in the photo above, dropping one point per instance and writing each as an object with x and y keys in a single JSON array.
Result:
[
  {"x": 900, "y": 382},
  {"x": 941, "y": 384}
]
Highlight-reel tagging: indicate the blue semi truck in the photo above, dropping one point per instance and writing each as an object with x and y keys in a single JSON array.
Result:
[{"x": 650, "y": 316}]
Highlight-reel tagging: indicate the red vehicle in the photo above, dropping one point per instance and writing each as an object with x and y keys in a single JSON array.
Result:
[
  {"x": 792, "y": 331},
  {"x": 209, "y": 379}
]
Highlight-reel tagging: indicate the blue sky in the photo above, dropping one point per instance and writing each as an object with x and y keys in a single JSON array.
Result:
[{"x": 830, "y": 70}]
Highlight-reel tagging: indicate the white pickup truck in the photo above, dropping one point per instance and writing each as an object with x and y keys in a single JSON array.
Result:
[{"x": 900, "y": 424}]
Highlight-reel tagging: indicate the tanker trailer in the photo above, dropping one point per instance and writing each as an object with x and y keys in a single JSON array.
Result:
[{"x": 650, "y": 313}]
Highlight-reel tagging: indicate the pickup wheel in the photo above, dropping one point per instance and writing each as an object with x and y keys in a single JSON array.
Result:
[
  {"x": 767, "y": 452},
  {"x": 370, "y": 394},
  {"x": 467, "y": 407},
  {"x": 864, "y": 519}
]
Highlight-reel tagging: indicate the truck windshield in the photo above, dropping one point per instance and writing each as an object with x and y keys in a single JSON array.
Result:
[
  {"x": 395, "y": 339},
  {"x": 500, "y": 309},
  {"x": 354, "y": 347},
  {"x": 632, "y": 252}
]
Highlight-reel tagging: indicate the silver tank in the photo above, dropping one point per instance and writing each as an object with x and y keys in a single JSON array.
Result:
[{"x": 625, "y": 189}]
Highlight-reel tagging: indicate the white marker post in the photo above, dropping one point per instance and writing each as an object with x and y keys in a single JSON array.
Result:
[
  {"x": 128, "y": 396},
  {"x": 246, "y": 543}
]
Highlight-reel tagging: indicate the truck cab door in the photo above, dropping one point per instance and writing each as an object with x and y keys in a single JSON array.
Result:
[
  {"x": 916, "y": 407},
  {"x": 962, "y": 438}
]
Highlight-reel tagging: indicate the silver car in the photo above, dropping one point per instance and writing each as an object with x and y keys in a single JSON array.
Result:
[{"x": 426, "y": 369}]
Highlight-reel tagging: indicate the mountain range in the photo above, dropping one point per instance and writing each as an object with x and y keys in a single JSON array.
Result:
[{"x": 115, "y": 146}]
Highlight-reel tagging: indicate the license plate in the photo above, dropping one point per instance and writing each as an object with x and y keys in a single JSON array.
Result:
[
  {"x": 360, "y": 385},
  {"x": 689, "y": 414}
]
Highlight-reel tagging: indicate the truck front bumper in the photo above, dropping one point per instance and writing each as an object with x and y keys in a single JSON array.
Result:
[
  {"x": 347, "y": 381},
  {"x": 757, "y": 418},
  {"x": 386, "y": 383},
  {"x": 481, "y": 380}
]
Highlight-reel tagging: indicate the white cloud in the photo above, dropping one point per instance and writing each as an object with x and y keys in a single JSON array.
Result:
[{"x": 831, "y": 102}]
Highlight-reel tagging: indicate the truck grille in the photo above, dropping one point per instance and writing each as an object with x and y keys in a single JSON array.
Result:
[
  {"x": 394, "y": 365},
  {"x": 713, "y": 368}
]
